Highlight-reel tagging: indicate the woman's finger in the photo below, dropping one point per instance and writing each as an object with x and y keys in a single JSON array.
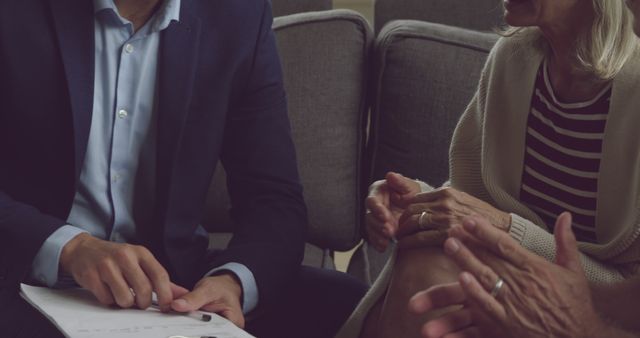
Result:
[
  {"x": 432, "y": 196},
  {"x": 497, "y": 241},
  {"x": 448, "y": 323},
  {"x": 469, "y": 332},
  {"x": 467, "y": 261},
  {"x": 437, "y": 297},
  {"x": 479, "y": 299},
  {"x": 376, "y": 207},
  {"x": 378, "y": 227},
  {"x": 411, "y": 223},
  {"x": 422, "y": 239},
  {"x": 377, "y": 235}
]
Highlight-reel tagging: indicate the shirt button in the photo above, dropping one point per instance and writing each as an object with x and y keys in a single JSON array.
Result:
[
  {"x": 122, "y": 113},
  {"x": 128, "y": 48},
  {"x": 115, "y": 178}
]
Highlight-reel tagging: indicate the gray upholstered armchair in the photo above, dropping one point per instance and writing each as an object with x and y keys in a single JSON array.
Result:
[
  {"x": 325, "y": 57},
  {"x": 415, "y": 81},
  {"x": 424, "y": 76},
  {"x": 481, "y": 15},
  {"x": 287, "y": 7}
]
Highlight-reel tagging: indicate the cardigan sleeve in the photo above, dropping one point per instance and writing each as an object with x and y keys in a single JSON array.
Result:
[
  {"x": 465, "y": 164},
  {"x": 542, "y": 243}
]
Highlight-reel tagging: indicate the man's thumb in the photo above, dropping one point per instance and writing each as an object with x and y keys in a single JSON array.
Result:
[{"x": 567, "y": 254}]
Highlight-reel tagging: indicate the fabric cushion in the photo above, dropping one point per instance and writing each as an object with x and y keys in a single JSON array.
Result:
[
  {"x": 426, "y": 74},
  {"x": 483, "y": 15},
  {"x": 287, "y": 7},
  {"x": 325, "y": 58}
]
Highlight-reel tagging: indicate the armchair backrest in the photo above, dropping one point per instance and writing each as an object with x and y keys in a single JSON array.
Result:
[
  {"x": 287, "y": 7},
  {"x": 425, "y": 76},
  {"x": 325, "y": 57},
  {"x": 482, "y": 15}
]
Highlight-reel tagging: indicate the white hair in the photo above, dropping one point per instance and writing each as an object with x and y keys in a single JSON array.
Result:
[{"x": 605, "y": 48}]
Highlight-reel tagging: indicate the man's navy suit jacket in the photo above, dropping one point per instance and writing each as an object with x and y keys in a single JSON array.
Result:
[{"x": 220, "y": 97}]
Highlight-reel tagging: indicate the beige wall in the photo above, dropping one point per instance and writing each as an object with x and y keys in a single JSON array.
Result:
[{"x": 363, "y": 6}]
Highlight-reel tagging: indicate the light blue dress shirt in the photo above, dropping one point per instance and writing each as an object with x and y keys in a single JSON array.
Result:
[{"x": 116, "y": 186}]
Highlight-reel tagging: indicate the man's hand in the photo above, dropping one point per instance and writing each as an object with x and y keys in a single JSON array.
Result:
[
  {"x": 538, "y": 298},
  {"x": 117, "y": 273},
  {"x": 220, "y": 294},
  {"x": 445, "y": 208},
  {"x": 386, "y": 202}
]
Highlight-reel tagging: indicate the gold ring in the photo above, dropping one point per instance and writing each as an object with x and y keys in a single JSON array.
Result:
[
  {"x": 421, "y": 224},
  {"x": 497, "y": 287}
]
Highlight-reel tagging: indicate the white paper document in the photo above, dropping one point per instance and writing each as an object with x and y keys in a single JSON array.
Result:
[{"x": 78, "y": 314}]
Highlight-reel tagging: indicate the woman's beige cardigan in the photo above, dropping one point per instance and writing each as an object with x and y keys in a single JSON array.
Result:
[{"x": 487, "y": 156}]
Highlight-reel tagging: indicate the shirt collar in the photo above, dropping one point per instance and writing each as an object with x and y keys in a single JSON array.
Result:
[{"x": 169, "y": 11}]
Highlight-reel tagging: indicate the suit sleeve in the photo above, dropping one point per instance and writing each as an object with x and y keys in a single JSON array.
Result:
[
  {"x": 23, "y": 230},
  {"x": 23, "y": 227},
  {"x": 258, "y": 154}
]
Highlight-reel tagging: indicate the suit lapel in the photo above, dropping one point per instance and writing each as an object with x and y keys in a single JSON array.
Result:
[
  {"x": 176, "y": 69},
  {"x": 74, "y": 23}
]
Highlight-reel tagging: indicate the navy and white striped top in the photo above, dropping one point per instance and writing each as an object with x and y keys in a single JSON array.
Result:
[{"x": 562, "y": 157}]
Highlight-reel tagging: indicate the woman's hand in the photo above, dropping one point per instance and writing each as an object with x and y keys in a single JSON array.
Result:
[
  {"x": 538, "y": 298},
  {"x": 386, "y": 202},
  {"x": 442, "y": 209}
]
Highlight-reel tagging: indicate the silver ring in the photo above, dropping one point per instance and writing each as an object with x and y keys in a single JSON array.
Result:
[
  {"x": 421, "y": 224},
  {"x": 497, "y": 287}
]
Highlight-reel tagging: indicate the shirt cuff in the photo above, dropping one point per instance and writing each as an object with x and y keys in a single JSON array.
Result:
[
  {"x": 424, "y": 187},
  {"x": 247, "y": 281},
  {"x": 47, "y": 260}
]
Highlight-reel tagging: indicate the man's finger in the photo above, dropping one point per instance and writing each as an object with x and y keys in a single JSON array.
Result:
[
  {"x": 437, "y": 297},
  {"x": 207, "y": 298},
  {"x": 111, "y": 275},
  {"x": 480, "y": 299},
  {"x": 99, "y": 289},
  {"x": 467, "y": 261},
  {"x": 567, "y": 254},
  {"x": 191, "y": 301},
  {"x": 462, "y": 235},
  {"x": 496, "y": 241},
  {"x": 140, "y": 284},
  {"x": 448, "y": 323},
  {"x": 177, "y": 291},
  {"x": 232, "y": 312},
  {"x": 159, "y": 279}
]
